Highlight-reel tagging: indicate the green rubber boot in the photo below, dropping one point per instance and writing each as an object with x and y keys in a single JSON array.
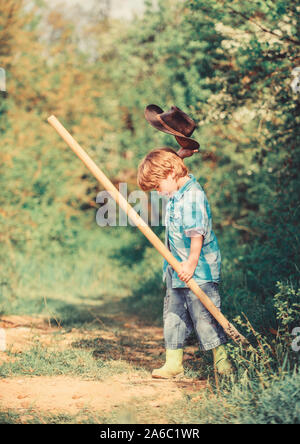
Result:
[
  {"x": 173, "y": 366},
  {"x": 221, "y": 361}
]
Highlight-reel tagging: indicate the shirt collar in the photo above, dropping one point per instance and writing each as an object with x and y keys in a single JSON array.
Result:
[{"x": 184, "y": 187}]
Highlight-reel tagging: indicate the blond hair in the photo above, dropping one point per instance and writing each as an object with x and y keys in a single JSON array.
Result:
[{"x": 157, "y": 165}]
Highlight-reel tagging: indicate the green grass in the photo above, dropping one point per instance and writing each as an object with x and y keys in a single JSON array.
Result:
[
  {"x": 121, "y": 415},
  {"x": 42, "y": 361},
  {"x": 39, "y": 361},
  {"x": 33, "y": 417},
  {"x": 65, "y": 285},
  {"x": 247, "y": 402}
]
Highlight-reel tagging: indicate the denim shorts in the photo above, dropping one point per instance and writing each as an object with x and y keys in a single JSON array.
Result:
[{"x": 183, "y": 313}]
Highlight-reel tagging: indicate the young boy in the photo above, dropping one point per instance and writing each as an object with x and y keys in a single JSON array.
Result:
[{"x": 190, "y": 238}]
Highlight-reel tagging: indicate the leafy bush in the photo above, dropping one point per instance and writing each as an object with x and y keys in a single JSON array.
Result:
[{"x": 278, "y": 403}]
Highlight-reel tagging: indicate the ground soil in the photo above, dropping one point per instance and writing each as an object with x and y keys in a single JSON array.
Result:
[{"x": 145, "y": 399}]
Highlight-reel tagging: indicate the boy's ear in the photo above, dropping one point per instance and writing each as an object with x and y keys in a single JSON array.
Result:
[{"x": 173, "y": 174}]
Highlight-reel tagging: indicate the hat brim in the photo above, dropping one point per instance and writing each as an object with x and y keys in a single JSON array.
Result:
[
  {"x": 151, "y": 113},
  {"x": 189, "y": 144}
]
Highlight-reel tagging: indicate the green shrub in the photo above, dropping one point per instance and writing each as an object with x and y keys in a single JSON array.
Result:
[{"x": 245, "y": 403}]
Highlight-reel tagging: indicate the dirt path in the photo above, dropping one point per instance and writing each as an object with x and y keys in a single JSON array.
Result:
[{"x": 132, "y": 393}]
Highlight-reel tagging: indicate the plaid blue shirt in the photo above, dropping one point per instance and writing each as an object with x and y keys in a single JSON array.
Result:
[{"x": 188, "y": 215}]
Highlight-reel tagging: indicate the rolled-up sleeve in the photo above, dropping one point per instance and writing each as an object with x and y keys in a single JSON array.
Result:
[{"x": 195, "y": 214}]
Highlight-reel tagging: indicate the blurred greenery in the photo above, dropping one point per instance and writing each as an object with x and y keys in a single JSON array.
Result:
[{"x": 226, "y": 63}]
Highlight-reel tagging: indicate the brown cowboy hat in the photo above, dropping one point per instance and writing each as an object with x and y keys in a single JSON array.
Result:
[{"x": 174, "y": 122}]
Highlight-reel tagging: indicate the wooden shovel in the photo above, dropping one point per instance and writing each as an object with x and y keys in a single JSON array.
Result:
[{"x": 230, "y": 330}]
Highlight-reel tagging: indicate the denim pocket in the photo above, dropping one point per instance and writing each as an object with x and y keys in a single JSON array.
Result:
[{"x": 211, "y": 289}]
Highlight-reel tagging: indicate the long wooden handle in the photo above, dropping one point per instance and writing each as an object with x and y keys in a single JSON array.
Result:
[{"x": 145, "y": 229}]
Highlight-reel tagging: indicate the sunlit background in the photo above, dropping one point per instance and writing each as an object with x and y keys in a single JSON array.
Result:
[{"x": 120, "y": 9}]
